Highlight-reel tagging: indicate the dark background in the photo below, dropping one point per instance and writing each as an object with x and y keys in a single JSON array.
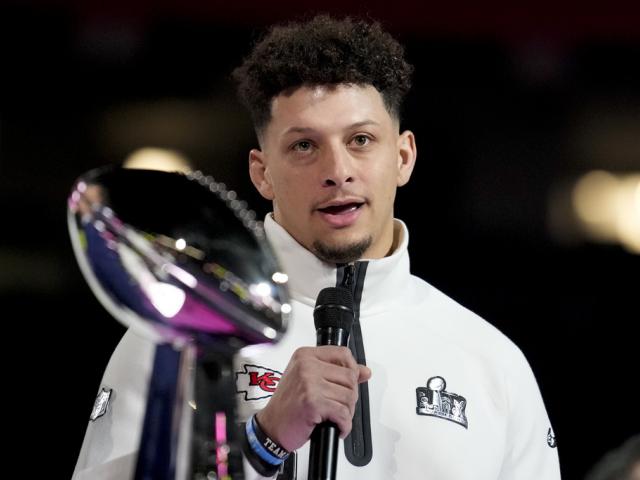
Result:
[{"x": 507, "y": 105}]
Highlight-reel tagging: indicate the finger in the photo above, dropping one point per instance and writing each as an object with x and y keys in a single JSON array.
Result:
[
  {"x": 339, "y": 375},
  {"x": 306, "y": 370},
  {"x": 339, "y": 414},
  {"x": 344, "y": 396},
  {"x": 337, "y": 355},
  {"x": 364, "y": 373}
]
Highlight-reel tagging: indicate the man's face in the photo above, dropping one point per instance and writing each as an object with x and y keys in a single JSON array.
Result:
[{"x": 331, "y": 160}]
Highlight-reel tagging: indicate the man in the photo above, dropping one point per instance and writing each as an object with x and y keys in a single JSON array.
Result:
[
  {"x": 446, "y": 395},
  {"x": 426, "y": 389}
]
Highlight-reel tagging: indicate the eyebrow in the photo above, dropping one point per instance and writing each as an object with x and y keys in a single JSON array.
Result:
[{"x": 309, "y": 129}]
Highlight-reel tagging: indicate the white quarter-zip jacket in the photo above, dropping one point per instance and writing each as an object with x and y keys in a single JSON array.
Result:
[{"x": 450, "y": 397}]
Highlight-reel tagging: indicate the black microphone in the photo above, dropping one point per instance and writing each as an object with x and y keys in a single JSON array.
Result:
[{"x": 333, "y": 317}]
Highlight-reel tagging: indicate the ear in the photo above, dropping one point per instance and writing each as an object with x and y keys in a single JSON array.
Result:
[
  {"x": 407, "y": 153},
  {"x": 259, "y": 174}
]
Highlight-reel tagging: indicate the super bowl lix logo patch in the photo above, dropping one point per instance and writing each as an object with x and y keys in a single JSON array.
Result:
[
  {"x": 435, "y": 401},
  {"x": 257, "y": 382}
]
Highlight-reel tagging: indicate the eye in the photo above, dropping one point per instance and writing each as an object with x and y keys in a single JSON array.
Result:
[
  {"x": 361, "y": 140},
  {"x": 302, "y": 146}
]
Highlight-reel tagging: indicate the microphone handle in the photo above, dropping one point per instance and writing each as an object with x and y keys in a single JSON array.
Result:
[{"x": 323, "y": 450}]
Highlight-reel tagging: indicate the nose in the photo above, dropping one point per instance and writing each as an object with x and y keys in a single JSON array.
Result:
[{"x": 337, "y": 168}]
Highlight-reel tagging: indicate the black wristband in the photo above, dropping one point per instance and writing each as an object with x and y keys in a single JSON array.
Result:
[
  {"x": 272, "y": 447},
  {"x": 262, "y": 467}
]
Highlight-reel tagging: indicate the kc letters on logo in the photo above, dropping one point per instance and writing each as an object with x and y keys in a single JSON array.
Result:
[{"x": 257, "y": 382}]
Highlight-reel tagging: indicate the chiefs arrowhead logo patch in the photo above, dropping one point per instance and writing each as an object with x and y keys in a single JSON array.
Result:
[{"x": 257, "y": 382}]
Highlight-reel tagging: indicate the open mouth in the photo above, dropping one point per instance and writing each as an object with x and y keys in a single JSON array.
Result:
[{"x": 341, "y": 209}]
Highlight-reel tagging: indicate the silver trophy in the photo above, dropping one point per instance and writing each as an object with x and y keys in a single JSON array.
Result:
[{"x": 182, "y": 261}]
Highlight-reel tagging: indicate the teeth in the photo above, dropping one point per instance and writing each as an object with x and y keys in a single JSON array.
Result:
[{"x": 341, "y": 209}]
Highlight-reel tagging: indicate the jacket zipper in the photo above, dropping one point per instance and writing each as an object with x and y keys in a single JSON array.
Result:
[{"x": 358, "y": 447}]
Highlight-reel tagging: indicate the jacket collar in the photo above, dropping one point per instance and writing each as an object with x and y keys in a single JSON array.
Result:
[{"x": 308, "y": 274}]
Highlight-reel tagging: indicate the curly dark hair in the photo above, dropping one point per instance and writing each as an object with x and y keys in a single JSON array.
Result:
[{"x": 322, "y": 51}]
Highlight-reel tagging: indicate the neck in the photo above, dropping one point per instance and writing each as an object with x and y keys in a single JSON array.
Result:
[{"x": 308, "y": 274}]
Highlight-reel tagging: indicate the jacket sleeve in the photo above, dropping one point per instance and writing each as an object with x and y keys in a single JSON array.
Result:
[
  {"x": 109, "y": 449},
  {"x": 250, "y": 473},
  {"x": 531, "y": 448}
]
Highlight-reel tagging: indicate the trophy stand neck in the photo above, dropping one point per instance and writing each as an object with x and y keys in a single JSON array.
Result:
[
  {"x": 216, "y": 443},
  {"x": 190, "y": 428}
]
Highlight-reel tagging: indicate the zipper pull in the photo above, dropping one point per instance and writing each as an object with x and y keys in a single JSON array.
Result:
[{"x": 349, "y": 274}]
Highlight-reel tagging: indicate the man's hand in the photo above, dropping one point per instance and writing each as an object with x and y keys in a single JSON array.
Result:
[{"x": 319, "y": 384}]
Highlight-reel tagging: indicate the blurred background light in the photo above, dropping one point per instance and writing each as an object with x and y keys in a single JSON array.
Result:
[
  {"x": 607, "y": 207},
  {"x": 163, "y": 159}
]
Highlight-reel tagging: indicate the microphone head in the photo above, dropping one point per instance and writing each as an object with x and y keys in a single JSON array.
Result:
[{"x": 334, "y": 308}]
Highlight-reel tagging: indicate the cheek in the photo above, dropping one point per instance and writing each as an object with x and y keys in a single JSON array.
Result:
[
  {"x": 291, "y": 191},
  {"x": 386, "y": 178},
  {"x": 385, "y": 193}
]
